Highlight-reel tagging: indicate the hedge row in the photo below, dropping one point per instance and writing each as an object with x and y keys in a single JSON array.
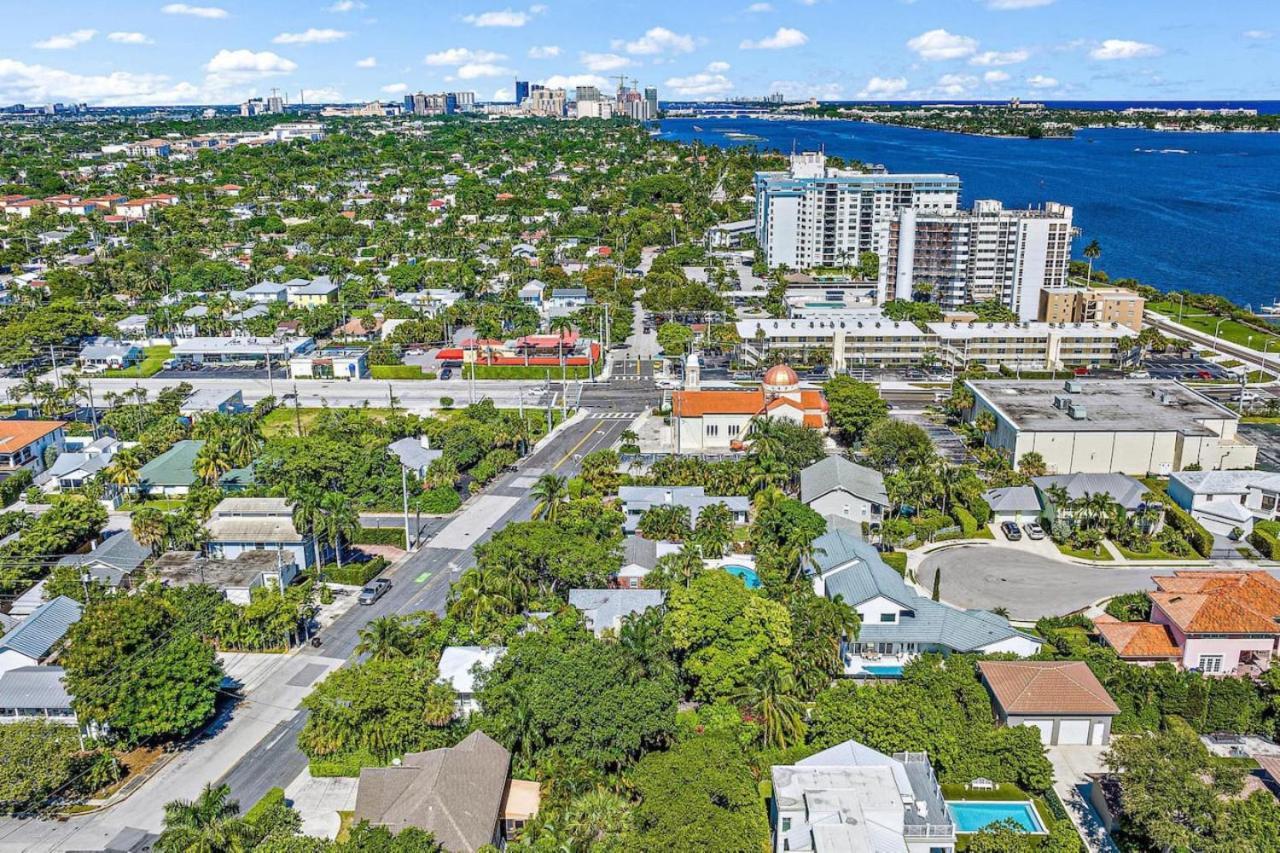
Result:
[
  {"x": 346, "y": 764},
  {"x": 1180, "y": 520},
  {"x": 270, "y": 798},
  {"x": 379, "y": 536},
  {"x": 12, "y": 488},
  {"x": 355, "y": 574},
  {"x": 1264, "y": 539},
  {"x": 968, "y": 524}
]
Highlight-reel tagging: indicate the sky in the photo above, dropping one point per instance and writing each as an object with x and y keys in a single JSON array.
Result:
[{"x": 150, "y": 52}]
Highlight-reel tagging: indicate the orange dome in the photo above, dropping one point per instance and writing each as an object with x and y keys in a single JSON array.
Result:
[{"x": 780, "y": 375}]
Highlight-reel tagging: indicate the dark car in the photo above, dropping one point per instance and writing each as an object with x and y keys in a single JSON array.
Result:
[
  {"x": 374, "y": 591},
  {"x": 1010, "y": 531},
  {"x": 447, "y": 373}
]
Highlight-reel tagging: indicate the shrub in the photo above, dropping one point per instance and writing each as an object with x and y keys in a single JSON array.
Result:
[
  {"x": 896, "y": 560},
  {"x": 446, "y": 402},
  {"x": 1264, "y": 539},
  {"x": 271, "y": 798},
  {"x": 981, "y": 511},
  {"x": 12, "y": 488},
  {"x": 968, "y": 524},
  {"x": 344, "y": 764},
  {"x": 1130, "y": 607},
  {"x": 440, "y": 501},
  {"x": 355, "y": 574},
  {"x": 1180, "y": 520},
  {"x": 379, "y": 536}
]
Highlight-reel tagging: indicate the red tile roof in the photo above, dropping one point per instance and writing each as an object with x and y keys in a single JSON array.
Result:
[
  {"x": 15, "y": 435},
  {"x": 1139, "y": 640},
  {"x": 1245, "y": 602},
  {"x": 1046, "y": 687}
]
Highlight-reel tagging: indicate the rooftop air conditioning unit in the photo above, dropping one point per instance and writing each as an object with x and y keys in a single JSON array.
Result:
[
  {"x": 1061, "y": 401},
  {"x": 1071, "y": 386},
  {"x": 1077, "y": 412}
]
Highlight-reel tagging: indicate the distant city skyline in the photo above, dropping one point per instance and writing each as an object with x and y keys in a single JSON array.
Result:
[{"x": 223, "y": 51}]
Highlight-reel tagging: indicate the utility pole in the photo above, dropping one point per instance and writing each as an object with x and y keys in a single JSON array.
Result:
[
  {"x": 404, "y": 488},
  {"x": 297, "y": 413},
  {"x": 271, "y": 382},
  {"x": 53, "y": 356}
]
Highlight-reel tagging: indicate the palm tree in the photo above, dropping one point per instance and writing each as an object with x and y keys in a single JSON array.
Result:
[
  {"x": 766, "y": 439},
  {"x": 771, "y": 699},
  {"x": 551, "y": 491},
  {"x": 211, "y": 463},
  {"x": 123, "y": 472},
  {"x": 383, "y": 639},
  {"x": 340, "y": 520},
  {"x": 307, "y": 517},
  {"x": 1092, "y": 251},
  {"x": 481, "y": 594},
  {"x": 209, "y": 824},
  {"x": 769, "y": 473},
  {"x": 986, "y": 424},
  {"x": 150, "y": 527}
]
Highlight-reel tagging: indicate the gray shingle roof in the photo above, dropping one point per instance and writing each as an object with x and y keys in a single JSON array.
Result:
[
  {"x": 33, "y": 687},
  {"x": 412, "y": 454},
  {"x": 120, "y": 553},
  {"x": 836, "y": 472},
  {"x": 606, "y": 608},
  {"x": 1012, "y": 499},
  {"x": 1125, "y": 490},
  {"x": 454, "y": 793},
  {"x": 36, "y": 635},
  {"x": 1228, "y": 482}
]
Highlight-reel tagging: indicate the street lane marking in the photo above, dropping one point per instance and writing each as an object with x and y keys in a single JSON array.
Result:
[
  {"x": 574, "y": 449},
  {"x": 422, "y": 578}
]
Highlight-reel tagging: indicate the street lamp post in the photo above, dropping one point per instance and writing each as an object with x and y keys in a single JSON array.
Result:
[
  {"x": 1181, "y": 299},
  {"x": 1215, "y": 332},
  {"x": 1265, "y": 347}
]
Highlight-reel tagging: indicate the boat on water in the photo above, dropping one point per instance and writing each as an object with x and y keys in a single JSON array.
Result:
[
  {"x": 1272, "y": 310},
  {"x": 742, "y": 137},
  {"x": 697, "y": 129}
]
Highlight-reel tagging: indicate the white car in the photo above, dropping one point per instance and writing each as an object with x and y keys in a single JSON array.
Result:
[{"x": 667, "y": 384}]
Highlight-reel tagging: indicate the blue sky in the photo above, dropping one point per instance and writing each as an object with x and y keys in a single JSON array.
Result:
[{"x": 221, "y": 51}]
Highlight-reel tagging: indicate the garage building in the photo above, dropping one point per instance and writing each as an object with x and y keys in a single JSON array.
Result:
[{"x": 1062, "y": 699}]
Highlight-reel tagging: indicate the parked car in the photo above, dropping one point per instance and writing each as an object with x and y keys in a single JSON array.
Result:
[
  {"x": 1204, "y": 374},
  {"x": 1034, "y": 530},
  {"x": 169, "y": 364},
  {"x": 1011, "y": 531},
  {"x": 1139, "y": 374},
  {"x": 447, "y": 373},
  {"x": 374, "y": 591}
]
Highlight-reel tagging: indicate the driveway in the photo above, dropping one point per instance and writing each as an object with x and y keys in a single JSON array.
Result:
[
  {"x": 1070, "y": 764},
  {"x": 1026, "y": 584}
]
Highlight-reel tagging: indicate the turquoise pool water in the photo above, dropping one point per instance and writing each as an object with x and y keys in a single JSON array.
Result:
[
  {"x": 748, "y": 575},
  {"x": 972, "y": 816},
  {"x": 884, "y": 670}
]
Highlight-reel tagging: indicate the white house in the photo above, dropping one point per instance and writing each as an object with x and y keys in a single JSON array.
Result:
[
  {"x": 459, "y": 666},
  {"x": 836, "y": 486},
  {"x": 35, "y": 639},
  {"x": 257, "y": 524},
  {"x": 1224, "y": 500}
]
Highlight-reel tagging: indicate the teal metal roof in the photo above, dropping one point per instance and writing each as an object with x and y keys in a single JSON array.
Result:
[{"x": 171, "y": 468}]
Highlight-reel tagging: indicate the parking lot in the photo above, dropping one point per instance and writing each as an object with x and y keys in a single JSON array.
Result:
[
  {"x": 224, "y": 371},
  {"x": 946, "y": 442},
  {"x": 1267, "y": 438},
  {"x": 1184, "y": 367}
]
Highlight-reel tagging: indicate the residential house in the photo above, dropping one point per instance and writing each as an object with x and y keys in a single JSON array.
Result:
[
  {"x": 1214, "y": 622},
  {"x": 259, "y": 524},
  {"x": 836, "y": 486},
  {"x": 1225, "y": 500},
  {"x": 1124, "y": 490},
  {"x": 637, "y": 500},
  {"x": 356, "y": 330},
  {"x": 73, "y": 468},
  {"x": 531, "y": 293},
  {"x": 35, "y": 693},
  {"x": 1063, "y": 699},
  {"x": 235, "y": 577},
  {"x": 36, "y": 638},
  {"x": 606, "y": 609},
  {"x": 205, "y": 401},
  {"x": 415, "y": 454},
  {"x": 265, "y": 293},
  {"x": 133, "y": 326},
  {"x": 568, "y": 298},
  {"x": 172, "y": 473},
  {"x": 318, "y": 291},
  {"x": 459, "y": 666},
  {"x": 23, "y": 444},
  {"x": 456, "y": 793},
  {"x": 897, "y": 622},
  {"x": 851, "y": 798},
  {"x": 1019, "y": 504},
  {"x": 112, "y": 560},
  {"x": 105, "y": 352}
]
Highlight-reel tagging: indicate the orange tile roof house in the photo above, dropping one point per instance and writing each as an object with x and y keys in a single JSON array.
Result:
[
  {"x": 1063, "y": 699},
  {"x": 1215, "y": 622},
  {"x": 22, "y": 444}
]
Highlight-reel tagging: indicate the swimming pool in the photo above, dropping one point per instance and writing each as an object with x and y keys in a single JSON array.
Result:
[
  {"x": 748, "y": 575},
  {"x": 883, "y": 670},
  {"x": 973, "y": 815}
]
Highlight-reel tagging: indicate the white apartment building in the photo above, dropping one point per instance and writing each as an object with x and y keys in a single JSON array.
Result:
[
  {"x": 987, "y": 253},
  {"x": 865, "y": 338},
  {"x": 813, "y": 215}
]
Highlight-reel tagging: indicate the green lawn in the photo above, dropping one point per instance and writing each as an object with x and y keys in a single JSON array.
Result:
[
  {"x": 281, "y": 420},
  {"x": 1101, "y": 554},
  {"x": 1231, "y": 330},
  {"x": 153, "y": 359},
  {"x": 398, "y": 371},
  {"x": 162, "y": 504}
]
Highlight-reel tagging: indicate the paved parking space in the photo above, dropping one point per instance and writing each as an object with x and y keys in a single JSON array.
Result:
[
  {"x": 1267, "y": 438},
  {"x": 224, "y": 371},
  {"x": 1183, "y": 367},
  {"x": 946, "y": 441}
]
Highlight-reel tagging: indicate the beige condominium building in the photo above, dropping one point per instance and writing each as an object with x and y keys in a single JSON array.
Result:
[
  {"x": 1092, "y": 305},
  {"x": 1110, "y": 425}
]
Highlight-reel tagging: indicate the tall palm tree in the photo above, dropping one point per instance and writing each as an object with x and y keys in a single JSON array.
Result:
[
  {"x": 1092, "y": 251},
  {"x": 211, "y": 463},
  {"x": 551, "y": 491},
  {"x": 771, "y": 698},
  {"x": 986, "y": 424},
  {"x": 307, "y": 518},
  {"x": 123, "y": 472},
  {"x": 765, "y": 438},
  {"x": 383, "y": 639},
  {"x": 340, "y": 520},
  {"x": 150, "y": 528},
  {"x": 209, "y": 824}
]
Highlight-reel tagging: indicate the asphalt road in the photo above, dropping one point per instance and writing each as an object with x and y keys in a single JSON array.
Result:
[{"x": 420, "y": 583}]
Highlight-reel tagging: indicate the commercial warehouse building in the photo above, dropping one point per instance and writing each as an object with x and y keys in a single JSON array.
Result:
[{"x": 1084, "y": 426}]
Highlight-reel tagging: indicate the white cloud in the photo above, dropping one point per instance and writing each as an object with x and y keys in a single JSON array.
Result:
[
  {"x": 758, "y": 8},
  {"x": 323, "y": 95},
  {"x": 311, "y": 35},
  {"x": 211, "y": 12},
  {"x": 130, "y": 38},
  {"x": 1039, "y": 81},
  {"x": 503, "y": 95},
  {"x": 878, "y": 88},
  {"x": 504, "y": 17},
  {"x": 940, "y": 44},
  {"x": 1008, "y": 5},
  {"x": 995, "y": 77},
  {"x": 367, "y": 62},
  {"x": 1258, "y": 35},
  {"x": 955, "y": 84},
  {"x": 603, "y": 61},
  {"x": 1000, "y": 57},
  {"x": 718, "y": 67},
  {"x": 655, "y": 41},
  {"x": 239, "y": 65},
  {"x": 802, "y": 90},
  {"x": 66, "y": 41},
  {"x": 474, "y": 70},
  {"x": 545, "y": 51},
  {"x": 1124, "y": 49},
  {"x": 20, "y": 82},
  {"x": 704, "y": 84},
  {"x": 785, "y": 37},
  {"x": 461, "y": 56},
  {"x": 395, "y": 88},
  {"x": 572, "y": 81},
  {"x": 346, "y": 6}
]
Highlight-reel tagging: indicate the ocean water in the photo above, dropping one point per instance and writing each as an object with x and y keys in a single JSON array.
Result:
[{"x": 1178, "y": 211}]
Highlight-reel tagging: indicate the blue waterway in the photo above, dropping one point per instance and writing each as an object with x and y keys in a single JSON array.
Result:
[{"x": 1206, "y": 220}]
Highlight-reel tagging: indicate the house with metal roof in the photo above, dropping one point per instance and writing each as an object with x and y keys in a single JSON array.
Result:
[
  {"x": 204, "y": 401},
  {"x": 415, "y": 454},
  {"x": 265, "y": 292},
  {"x": 459, "y": 666},
  {"x": 637, "y": 500},
  {"x": 172, "y": 472},
  {"x": 309, "y": 294},
  {"x": 106, "y": 352},
  {"x": 35, "y": 693},
  {"x": 605, "y": 609},
  {"x": 1013, "y": 503},
  {"x": 1127, "y": 492},
  {"x": 112, "y": 561},
  {"x": 238, "y": 525},
  {"x": 37, "y": 637},
  {"x": 836, "y": 486},
  {"x": 74, "y": 468},
  {"x": 1223, "y": 500},
  {"x": 899, "y": 623}
]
